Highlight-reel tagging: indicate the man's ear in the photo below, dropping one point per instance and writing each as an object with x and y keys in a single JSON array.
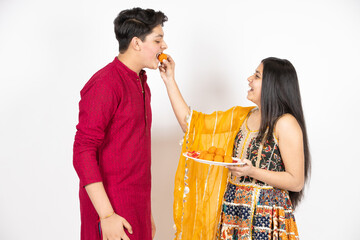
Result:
[{"x": 135, "y": 43}]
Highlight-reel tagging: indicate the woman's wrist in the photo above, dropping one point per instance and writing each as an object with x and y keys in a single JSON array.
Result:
[
  {"x": 252, "y": 172},
  {"x": 170, "y": 81}
]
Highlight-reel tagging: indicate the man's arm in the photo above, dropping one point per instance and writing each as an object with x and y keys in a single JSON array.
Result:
[
  {"x": 112, "y": 225},
  {"x": 97, "y": 106}
]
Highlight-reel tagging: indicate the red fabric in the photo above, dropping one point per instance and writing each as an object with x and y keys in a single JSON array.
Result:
[{"x": 113, "y": 145}]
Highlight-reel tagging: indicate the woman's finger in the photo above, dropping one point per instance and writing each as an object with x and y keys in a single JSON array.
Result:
[
  {"x": 247, "y": 162},
  {"x": 166, "y": 63},
  {"x": 170, "y": 59},
  {"x": 162, "y": 69},
  {"x": 233, "y": 168}
]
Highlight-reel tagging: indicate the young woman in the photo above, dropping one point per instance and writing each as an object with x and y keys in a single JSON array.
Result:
[{"x": 262, "y": 194}]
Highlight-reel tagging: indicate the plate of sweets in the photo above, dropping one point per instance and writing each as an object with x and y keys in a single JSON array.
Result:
[{"x": 213, "y": 156}]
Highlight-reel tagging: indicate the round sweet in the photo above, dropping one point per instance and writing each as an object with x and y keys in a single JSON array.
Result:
[
  {"x": 220, "y": 151},
  {"x": 202, "y": 154},
  {"x": 218, "y": 158},
  {"x": 212, "y": 149},
  {"x": 209, "y": 157},
  {"x": 162, "y": 57},
  {"x": 228, "y": 159}
]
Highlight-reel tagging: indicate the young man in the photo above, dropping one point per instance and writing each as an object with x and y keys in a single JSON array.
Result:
[{"x": 112, "y": 151}]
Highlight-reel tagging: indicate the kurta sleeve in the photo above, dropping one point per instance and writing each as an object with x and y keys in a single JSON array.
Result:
[{"x": 97, "y": 106}]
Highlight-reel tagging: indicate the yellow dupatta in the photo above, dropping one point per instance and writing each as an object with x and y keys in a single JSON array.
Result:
[{"x": 199, "y": 188}]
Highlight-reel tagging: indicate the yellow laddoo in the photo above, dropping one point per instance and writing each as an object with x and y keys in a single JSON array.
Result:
[
  {"x": 220, "y": 151},
  {"x": 218, "y": 158},
  {"x": 209, "y": 157},
  {"x": 212, "y": 149},
  {"x": 228, "y": 159},
  {"x": 162, "y": 57},
  {"x": 202, "y": 154}
]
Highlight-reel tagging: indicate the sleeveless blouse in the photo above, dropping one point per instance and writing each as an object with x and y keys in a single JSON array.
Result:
[
  {"x": 247, "y": 145},
  {"x": 252, "y": 209}
]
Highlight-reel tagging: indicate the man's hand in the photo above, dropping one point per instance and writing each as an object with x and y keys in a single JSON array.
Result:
[
  {"x": 153, "y": 227},
  {"x": 113, "y": 228}
]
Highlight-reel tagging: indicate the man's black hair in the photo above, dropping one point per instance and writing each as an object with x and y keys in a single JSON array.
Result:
[{"x": 136, "y": 22}]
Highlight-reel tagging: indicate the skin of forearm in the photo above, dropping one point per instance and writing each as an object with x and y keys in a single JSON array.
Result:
[
  {"x": 99, "y": 199},
  {"x": 181, "y": 109},
  {"x": 282, "y": 180}
]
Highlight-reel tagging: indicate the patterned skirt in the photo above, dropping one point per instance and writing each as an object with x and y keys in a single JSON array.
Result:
[{"x": 250, "y": 211}]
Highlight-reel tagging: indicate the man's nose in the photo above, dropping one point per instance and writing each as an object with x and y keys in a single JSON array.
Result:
[{"x": 164, "y": 45}]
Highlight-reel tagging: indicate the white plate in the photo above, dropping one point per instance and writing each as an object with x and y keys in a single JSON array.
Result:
[{"x": 216, "y": 163}]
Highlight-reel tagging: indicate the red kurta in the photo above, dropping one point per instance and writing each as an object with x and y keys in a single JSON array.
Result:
[{"x": 113, "y": 145}]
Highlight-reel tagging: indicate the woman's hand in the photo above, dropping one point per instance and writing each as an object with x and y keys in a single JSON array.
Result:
[
  {"x": 242, "y": 170},
  {"x": 113, "y": 228},
  {"x": 167, "y": 69}
]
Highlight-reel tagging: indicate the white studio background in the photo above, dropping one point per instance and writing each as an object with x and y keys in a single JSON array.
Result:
[{"x": 49, "y": 49}]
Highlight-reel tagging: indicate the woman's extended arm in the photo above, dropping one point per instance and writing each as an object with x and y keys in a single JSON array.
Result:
[
  {"x": 181, "y": 109},
  {"x": 290, "y": 139}
]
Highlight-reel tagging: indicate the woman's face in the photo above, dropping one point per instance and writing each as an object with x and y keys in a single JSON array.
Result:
[{"x": 255, "y": 80}]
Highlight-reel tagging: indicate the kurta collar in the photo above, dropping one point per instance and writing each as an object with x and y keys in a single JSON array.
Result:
[{"x": 130, "y": 73}]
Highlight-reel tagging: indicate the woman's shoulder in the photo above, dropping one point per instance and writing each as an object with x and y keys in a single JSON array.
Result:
[
  {"x": 286, "y": 119},
  {"x": 287, "y": 124}
]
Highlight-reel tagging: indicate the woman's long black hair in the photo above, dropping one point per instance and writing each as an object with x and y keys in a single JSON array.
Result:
[{"x": 280, "y": 94}]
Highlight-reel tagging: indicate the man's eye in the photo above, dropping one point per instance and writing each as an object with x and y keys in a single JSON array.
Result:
[{"x": 157, "y": 41}]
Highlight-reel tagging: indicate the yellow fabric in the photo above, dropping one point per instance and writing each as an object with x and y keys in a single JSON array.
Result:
[{"x": 199, "y": 187}]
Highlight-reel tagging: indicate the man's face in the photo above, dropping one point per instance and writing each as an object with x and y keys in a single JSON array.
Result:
[{"x": 153, "y": 45}]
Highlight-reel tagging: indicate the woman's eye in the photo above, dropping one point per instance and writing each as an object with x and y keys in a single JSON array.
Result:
[{"x": 157, "y": 41}]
